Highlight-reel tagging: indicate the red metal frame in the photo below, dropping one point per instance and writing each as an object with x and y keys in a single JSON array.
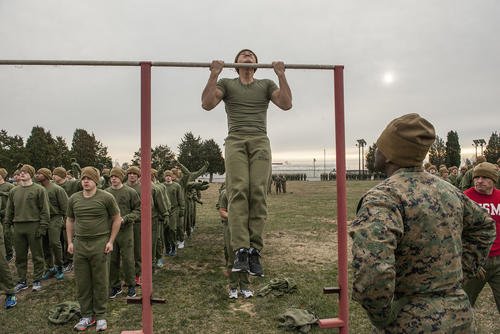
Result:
[
  {"x": 342, "y": 322},
  {"x": 146, "y": 242}
]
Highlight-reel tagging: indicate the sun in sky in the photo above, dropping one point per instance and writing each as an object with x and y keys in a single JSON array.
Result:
[{"x": 388, "y": 78}]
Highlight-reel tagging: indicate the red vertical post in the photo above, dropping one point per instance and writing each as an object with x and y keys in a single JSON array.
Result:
[
  {"x": 338, "y": 77},
  {"x": 146, "y": 251}
]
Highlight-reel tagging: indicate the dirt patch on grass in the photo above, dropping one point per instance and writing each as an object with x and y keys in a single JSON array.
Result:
[
  {"x": 316, "y": 247},
  {"x": 304, "y": 248},
  {"x": 245, "y": 307}
]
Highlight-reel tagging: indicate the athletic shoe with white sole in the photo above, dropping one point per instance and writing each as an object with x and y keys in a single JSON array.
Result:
[
  {"x": 84, "y": 323},
  {"x": 247, "y": 293},
  {"x": 101, "y": 326},
  {"x": 233, "y": 294}
]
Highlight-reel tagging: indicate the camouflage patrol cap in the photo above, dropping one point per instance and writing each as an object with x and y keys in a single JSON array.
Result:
[
  {"x": 28, "y": 169},
  {"x": 3, "y": 173},
  {"x": 486, "y": 169},
  {"x": 154, "y": 172},
  {"x": 60, "y": 171},
  {"x": 118, "y": 172},
  {"x": 453, "y": 168},
  {"x": 168, "y": 172},
  {"x": 443, "y": 170},
  {"x": 92, "y": 173},
  {"x": 134, "y": 170},
  {"x": 406, "y": 140},
  {"x": 45, "y": 172}
]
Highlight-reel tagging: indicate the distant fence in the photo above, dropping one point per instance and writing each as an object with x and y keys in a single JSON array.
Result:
[{"x": 306, "y": 174}]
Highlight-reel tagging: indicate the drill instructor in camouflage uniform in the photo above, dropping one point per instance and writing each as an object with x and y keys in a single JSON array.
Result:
[
  {"x": 415, "y": 238},
  {"x": 93, "y": 219},
  {"x": 123, "y": 251},
  {"x": 28, "y": 209},
  {"x": 248, "y": 151}
]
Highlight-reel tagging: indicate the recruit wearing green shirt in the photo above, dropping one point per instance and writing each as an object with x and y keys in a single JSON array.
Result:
[
  {"x": 4, "y": 195},
  {"x": 92, "y": 215},
  {"x": 28, "y": 204},
  {"x": 71, "y": 186},
  {"x": 175, "y": 195},
  {"x": 58, "y": 200},
  {"x": 246, "y": 104},
  {"x": 128, "y": 202}
]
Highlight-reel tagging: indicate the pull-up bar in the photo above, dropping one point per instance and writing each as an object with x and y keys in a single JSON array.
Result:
[
  {"x": 342, "y": 322},
  {"x": 158, "y": 64}
]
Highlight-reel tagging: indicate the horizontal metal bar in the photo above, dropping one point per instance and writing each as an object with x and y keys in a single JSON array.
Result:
[
  {"x": 246, "y": 65},
  {"x": 331, "y": 323},
  {"x": 157, "y": 63},
  {"x": 70, "y": 62},
  {"x": 330, "y": 290}
]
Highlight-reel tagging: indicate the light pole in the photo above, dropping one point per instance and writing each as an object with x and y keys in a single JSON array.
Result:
[
  {"x": 361, "y": 153},
  {"x": 314, "y": 167},
  {"x": 479, "y": 142},
  {"x": 324, "y": 160}
]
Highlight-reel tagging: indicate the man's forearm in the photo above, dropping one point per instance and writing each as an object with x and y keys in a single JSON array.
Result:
[
  {"x": 115, "y": 228},
  {"x": 69, "y": 230},
  {"x": 285, "y": 93}
]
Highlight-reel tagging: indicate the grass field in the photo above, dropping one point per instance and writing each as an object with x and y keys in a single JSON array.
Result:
[{"x": 300, "y": 242}]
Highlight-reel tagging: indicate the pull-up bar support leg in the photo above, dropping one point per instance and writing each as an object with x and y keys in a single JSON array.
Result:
[{"x": 342, "y": 322}]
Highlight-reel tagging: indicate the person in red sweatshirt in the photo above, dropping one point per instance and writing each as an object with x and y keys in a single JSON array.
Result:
[{"x": 487, "y": 196}]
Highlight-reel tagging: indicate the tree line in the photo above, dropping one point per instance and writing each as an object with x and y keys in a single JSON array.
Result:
[
  {"x": 41, "y": 149},
  {"x": 446, "y": 153}
]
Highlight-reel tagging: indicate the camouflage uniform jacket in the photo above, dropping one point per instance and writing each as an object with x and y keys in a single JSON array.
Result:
[{"x": 415, "y": 237}]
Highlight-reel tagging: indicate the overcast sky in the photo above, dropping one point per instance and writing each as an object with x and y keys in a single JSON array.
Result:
[{"x": 437, "y": 58}]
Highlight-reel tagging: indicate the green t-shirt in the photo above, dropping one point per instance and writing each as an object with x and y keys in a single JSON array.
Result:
[
  {"x": 128, "y": 202},
  {"x": 71, "y": 186},
  {"x": 246, "y": 105},
  {"x": 93, "y": 215}
]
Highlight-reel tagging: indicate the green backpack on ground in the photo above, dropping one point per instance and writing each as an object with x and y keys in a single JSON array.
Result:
[{"x": 64, "y": 312}]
